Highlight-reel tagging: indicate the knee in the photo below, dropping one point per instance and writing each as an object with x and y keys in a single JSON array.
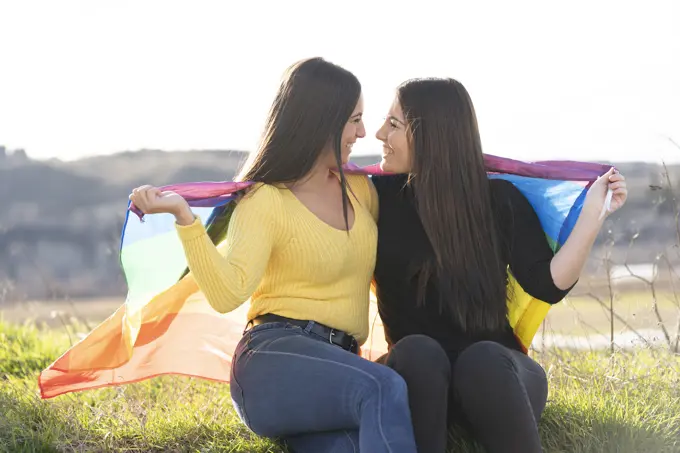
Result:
[
  {"x": 483, "y": 361},
  {"x": 419, "y": 354}
]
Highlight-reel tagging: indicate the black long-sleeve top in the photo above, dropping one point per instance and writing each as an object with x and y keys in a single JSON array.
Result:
[{"x": 403, "y": 246}]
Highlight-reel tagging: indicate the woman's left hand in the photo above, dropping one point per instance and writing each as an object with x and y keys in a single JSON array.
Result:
[{"x": 597, "y": 194}]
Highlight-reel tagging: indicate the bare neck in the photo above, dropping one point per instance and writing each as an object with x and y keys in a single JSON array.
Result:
[{"x": 317, "y": 180}]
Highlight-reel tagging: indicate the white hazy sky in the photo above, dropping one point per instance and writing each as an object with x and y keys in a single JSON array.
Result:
[{"x": 577, "y": 80}]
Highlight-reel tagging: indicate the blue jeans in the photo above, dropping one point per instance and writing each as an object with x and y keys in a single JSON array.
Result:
[{"x": 290, "y": 384}]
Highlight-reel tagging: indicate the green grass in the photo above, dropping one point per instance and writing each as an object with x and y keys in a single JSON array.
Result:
[{"x": 598, "y": 403}]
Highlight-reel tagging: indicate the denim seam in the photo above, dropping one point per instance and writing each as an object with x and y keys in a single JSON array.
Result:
[
  {"x": 380, "y": 424},
  {"x": 354, "y": 447},
  {"x": 244, "y": 413},
  {"x": 249, "y": 350}
]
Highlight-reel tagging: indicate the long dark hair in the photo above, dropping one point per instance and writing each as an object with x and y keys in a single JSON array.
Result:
[
  {"x": 453, "y": 200},
  {"x": 312, "y": 106}
]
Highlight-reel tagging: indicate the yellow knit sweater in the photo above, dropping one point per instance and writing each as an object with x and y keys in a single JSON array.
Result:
[{"x": 288, "y": 261}]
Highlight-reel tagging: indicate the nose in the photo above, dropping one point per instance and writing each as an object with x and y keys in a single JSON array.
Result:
[
  {"x": 381, "y": 135},
  {"x": 361, "y": 130}
]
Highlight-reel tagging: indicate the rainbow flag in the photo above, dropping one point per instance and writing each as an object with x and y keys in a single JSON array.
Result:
[{"x": 166, "y": 326}]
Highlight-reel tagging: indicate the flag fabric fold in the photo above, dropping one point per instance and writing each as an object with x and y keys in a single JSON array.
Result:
[{"x": 166, "y": 326}]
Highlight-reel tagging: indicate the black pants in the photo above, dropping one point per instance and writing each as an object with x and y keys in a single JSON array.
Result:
[{"x": 495, "y": 393}]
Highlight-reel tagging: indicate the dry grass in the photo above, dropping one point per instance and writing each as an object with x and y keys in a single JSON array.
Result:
[{"x": 598, "y": 403}]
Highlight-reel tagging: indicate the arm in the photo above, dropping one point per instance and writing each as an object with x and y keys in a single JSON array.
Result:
[
  {"x": 569, "y": 261},
  {"x": 571, "y": 258},
  {"x": 542, "y": 275},
  {"x": 523, "y": 240},
  {"x": 230, "y": 273}
]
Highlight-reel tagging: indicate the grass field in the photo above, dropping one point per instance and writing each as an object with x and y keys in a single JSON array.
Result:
[{"x": 598, "y": 403}]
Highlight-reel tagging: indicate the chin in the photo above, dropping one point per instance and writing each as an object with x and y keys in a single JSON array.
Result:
[
  {"x": 390, "y": 167},
  {"x": 385, "y": 166}
]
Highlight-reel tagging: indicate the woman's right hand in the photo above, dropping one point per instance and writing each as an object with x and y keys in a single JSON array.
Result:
[
  {"x": 597, "y": 194},
  {"x": 151, "y": 200}
]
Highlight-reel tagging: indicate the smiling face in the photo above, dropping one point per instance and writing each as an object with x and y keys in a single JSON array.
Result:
[
  {"x": 393, "y": 133},
  {"x": 354, "y": 129}
]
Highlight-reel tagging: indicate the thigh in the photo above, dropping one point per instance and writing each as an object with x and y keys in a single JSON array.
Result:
[
  {"x": 327, "y": 442},
  {"x": 287, "y": 383},
  {"x": 533, "y": 377},
  {"x": 498, "y": 391},
  {"x": 426, "y": 368}
]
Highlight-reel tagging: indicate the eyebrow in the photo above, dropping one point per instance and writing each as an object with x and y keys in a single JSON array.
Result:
[{"x": 357, "y": 114}]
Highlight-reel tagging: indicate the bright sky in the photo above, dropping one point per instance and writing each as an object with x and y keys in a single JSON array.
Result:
[{"x": 576, "y": 80}]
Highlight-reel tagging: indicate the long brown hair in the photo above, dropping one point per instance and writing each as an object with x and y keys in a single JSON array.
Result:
[
  {"x": 453, "y": 200},
  {"x": 312, "y": 106}
]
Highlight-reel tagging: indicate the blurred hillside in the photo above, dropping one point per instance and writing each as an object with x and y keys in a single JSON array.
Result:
[{"x": 61, "y": 221}]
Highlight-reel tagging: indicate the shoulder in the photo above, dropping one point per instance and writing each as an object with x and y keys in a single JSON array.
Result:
[
  {"x": 512, "y": 210},
  {"x": 361, "y": 185},
  {"x": 364, "y": 190},
  {"x": 358, "y": 182},
  {"x": 262, "y": 191},
  {"x": 260, "y": 196},
  {"x": 502, "y": 188},
  {"x": 260, "y": 208},
  {"x": 505, "y": 194},
  {"x": 389, "y": 184}
]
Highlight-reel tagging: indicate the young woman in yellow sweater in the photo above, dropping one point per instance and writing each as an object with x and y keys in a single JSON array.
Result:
[{"x": 301, "y": 245}]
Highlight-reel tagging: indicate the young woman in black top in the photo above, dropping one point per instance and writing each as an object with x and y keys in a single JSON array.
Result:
[{"x": 447, "y": 235}]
